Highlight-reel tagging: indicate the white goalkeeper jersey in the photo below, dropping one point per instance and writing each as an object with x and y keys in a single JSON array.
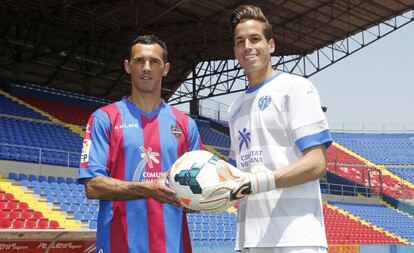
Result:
[{"x": 272, "y": 124}]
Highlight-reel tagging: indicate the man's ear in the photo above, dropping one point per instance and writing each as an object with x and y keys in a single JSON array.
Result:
[
  {"x": 166, "y": 69},
  {"x": 272, "y": 45},
  {"x": 127, "y": 67}
]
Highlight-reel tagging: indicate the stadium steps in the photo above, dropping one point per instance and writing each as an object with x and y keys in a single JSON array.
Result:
[
  {"x": 366, "y": 223},
  {"x": 70, "y": 113},
  {"x": 36, "y": 204},
  {"x": 73, "y": 128},
  {"x": 398, "y": 210},
  {"x": 385, "y": 172},
  {"x": 340, "y": 228}
]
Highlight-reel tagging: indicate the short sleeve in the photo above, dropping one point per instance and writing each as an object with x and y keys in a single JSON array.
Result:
[
  {"x": 95, "y": 149},
  {"x": 306, "y": 118},
  {"x": 194, "y": 136}
]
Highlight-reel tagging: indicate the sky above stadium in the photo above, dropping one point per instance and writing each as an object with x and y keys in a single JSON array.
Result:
[
  {"x": 374, "y": 86},
  {"x": 372, "y": 89}
]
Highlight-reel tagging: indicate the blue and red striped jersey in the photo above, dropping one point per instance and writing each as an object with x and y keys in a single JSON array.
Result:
[{"x": 123, "y": 142}]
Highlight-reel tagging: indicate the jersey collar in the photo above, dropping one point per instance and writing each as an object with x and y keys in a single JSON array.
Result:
[
  {"x": 255, "y": 88},
  {"x": 143, "y": 113}
]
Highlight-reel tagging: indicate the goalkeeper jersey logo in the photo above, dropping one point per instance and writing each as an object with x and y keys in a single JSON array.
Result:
[{"x": 244, "y": 138}]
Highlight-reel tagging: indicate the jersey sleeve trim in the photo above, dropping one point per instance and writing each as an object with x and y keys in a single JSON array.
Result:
[
  {"x": 93, "y": 171},
  {"x": 309, "y": 141},
  {"x": 233, "y": 162}
]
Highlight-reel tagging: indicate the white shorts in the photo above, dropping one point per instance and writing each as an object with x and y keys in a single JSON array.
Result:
[{"x": 286, "y": 250}]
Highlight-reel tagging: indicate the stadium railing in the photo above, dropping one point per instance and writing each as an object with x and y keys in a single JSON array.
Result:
[
  {"x": 345, "y": 190},
  {"x": 39, "y": 155}
]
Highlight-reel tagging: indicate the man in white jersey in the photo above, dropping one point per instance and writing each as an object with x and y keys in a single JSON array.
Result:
[{"x": 279, "y": 137}]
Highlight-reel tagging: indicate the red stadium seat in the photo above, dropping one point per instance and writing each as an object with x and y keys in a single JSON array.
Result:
[
  {"x": 5, "y": 222},
  {"x": 23, "y": 206},
  {"x": 37, "y": 215},
  {"x": 27, "y": 214},
  {"x": 3, "y": 204},
  {"x": 43, "y": 224},
  {"x": 54, "y": 224},
  {"x": 3, "y": 214},
  {"x": 18, "y": 224},
  {"x": 31, "y": 224},
  {"x": 12, "y": 205},
  {"x": 15, "y": 214},
  {"x": 9, "y": 196}
]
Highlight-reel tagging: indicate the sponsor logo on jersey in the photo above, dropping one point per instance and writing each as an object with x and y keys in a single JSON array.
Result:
[
  {"x": 244, "y": 138},
  {"x": 264, "y": 102},
  {"x": 176, "y": 131},
  {"x": 253, "y": 157},
  {"x": 148, "y": 157},
  {"x": 88, "y": 128},
  {"x": 126, "y": 125}
]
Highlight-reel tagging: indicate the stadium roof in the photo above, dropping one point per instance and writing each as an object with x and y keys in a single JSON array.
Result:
[{"x": 79, "y": 45}]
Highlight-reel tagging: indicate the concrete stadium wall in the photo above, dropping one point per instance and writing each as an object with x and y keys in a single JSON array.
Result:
[{"x": 36, "y": 169}]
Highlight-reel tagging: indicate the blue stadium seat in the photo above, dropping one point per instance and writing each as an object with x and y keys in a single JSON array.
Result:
[
  {"x": 88, "y": 216},
  {"x": 42, "y": 178},
  {"x": 22, "y": 176},
  {"x": 32, "y": 177},
  {"x": 51, "y": 179},
  {"x": 35, "y": 184},
  {"x": 25, "y": 182},
  {"x": 13, "y": 176},
  {"x": 78, "y": 215},
  {"x": 93, "y": 224}
]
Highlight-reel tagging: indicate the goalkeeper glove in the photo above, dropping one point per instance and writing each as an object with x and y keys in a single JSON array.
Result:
[{"x": 237, "y": 184}]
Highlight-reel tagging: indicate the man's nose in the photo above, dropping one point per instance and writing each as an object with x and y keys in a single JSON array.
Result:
[
  {"x": 147, "y": 66},
  {"x": 247, "y": 44}
]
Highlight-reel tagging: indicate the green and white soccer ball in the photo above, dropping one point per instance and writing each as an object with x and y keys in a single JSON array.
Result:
[{"x": 191, "y": 175}]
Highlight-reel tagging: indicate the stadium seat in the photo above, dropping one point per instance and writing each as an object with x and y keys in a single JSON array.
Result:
[
  {"x": 53, "y": 224},
  {"x": 30, "y": 224},
  {"x": 93, "y": 224},
  {"x": 5, "y": 223},
  {"x": 13, "y": 176},
  {"x": 60, "y": 180},
  {"x": 32, "y": 177},
  {"x": 43, "y": 224},
  {"x": 22, "y": 176},
  {"x": 18, "y": 224},
  {"x": 42, "y": 178},
  {"x": 15, "y": 214},
  {"x": 27, "y": 214}
]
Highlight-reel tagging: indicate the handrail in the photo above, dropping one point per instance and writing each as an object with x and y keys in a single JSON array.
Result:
[{"x": 40, "y": 153}]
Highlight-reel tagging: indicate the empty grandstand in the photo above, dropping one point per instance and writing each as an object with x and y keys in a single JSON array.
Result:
[{"x": 38, "y": 198}]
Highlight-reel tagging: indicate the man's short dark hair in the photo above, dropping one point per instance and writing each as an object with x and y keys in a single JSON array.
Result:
[
  {"x": 250, "y": 12},
  {"x": 150, "y": 39}
]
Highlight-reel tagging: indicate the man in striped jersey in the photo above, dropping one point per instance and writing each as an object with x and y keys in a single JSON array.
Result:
[
  {"x": 128, "y": 148},
  {"x": 279, "y": 137}
]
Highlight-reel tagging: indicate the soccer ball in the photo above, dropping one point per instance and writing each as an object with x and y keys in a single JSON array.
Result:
[{"x": 191, "y": 175}]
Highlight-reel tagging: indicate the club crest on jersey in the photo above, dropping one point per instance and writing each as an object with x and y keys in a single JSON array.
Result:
[
  {"x": 244, "y": 138},
  {"x": 148, "y": 157},
  {"x": 176, "y": 131},
  {"x": 264, "y": 102}
]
